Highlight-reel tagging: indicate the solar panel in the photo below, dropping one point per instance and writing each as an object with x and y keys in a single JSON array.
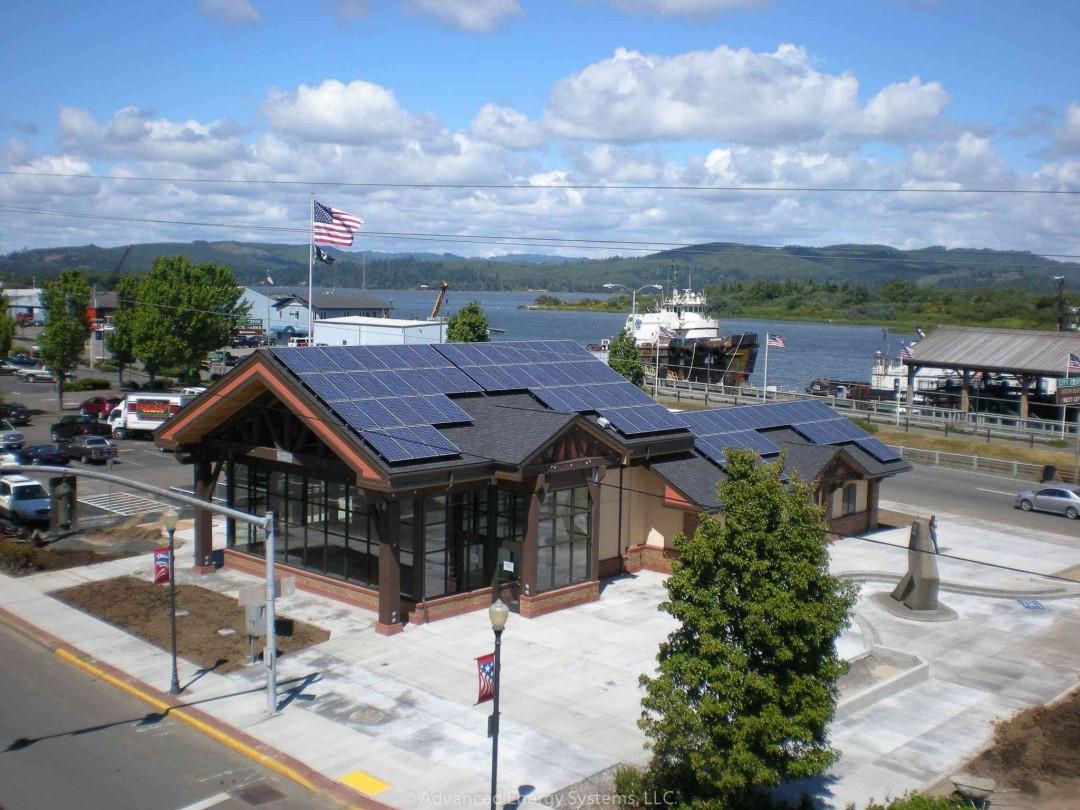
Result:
[{"x": 878, "y": 449}]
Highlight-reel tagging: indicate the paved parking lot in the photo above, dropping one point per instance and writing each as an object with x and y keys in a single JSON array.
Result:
[{"x": 138, "y": 459}]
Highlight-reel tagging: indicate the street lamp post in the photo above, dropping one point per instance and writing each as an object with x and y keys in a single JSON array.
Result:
[
  {"x": 498, "y": 613},
  {"x": 169, "y": 520},
  {"x": 633, "y": 294}
]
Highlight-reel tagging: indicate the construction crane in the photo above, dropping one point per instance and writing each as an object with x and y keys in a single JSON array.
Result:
[
  {"x": 438, "y": 301},
  {"x": 123, "y": 259}
]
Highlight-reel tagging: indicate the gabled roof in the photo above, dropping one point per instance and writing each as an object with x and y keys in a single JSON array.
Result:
[
  {"x": 1014, "y": 351},
  {"x": 344, "y": 301}
]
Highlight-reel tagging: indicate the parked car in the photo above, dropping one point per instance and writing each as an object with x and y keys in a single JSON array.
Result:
[
  {"x": 23, "y": 499},
  {"x": 98, "y": 407},
  {"x": 15, "y": 412},
  {"x": 1060, "y": 500},
  {"x": 223, "y": 358},
  {"x": 24, "y": 360},
  {"x": 10, "y": 438},
  {"x": 248, "y": 341},
  {"x": 68, "y": 426},
  {"x": 42, "y": 374},
  {"x": 89, "y": 448},
  {"x": 7, "y": 367},
  {"x": 35, "y": 322},
  {"x": 42, "y": 454}
]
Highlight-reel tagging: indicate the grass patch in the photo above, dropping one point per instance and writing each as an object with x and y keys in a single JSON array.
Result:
[{"x": 1062, "y": 459}]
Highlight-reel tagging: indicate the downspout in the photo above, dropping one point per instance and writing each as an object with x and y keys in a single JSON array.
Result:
[{"x": 622, "y": 557}]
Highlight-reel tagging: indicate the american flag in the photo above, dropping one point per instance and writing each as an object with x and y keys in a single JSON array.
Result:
[
  {"x": 485, "y": 669},
  {"x": 269, "y": 281},
  {"x": 1074, "y": 362},
  {"x": 334, "y": 227},
  {"x": 776, "y": 342},
  {"x": 668, "y": 334},
  {"x": 906, "y": 353}
]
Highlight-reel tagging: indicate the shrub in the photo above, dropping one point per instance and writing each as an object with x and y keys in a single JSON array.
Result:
[
  {"x": 630, "y": 786},
  {"x": 129, "y": 385},
  {"x": 107, "y": 366},
  {"x": 913, "y": 801},
  {"x": 89, "y": 384},
  {"x": 866, "y": 425},
  {"x": 1059, "y": 443},
  {"x": 15, "y": 557}
]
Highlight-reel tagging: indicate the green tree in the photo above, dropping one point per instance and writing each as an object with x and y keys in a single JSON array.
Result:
[
  {"x": 183, "y": 312},
  {"x": 468, "y": 325},
  {"x": 120, "y": 341},
  {"x": 7, "y": 327},
  {"x": 66, "y": 329},
  {"x": 747, "y": 683},
  {"x": 625, "y": 358}
]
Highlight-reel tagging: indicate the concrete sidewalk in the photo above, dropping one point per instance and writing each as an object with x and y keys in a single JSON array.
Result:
[{"x": 395, "y": 716}]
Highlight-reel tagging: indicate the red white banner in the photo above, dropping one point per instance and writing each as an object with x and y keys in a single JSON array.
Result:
[
  {"x": 485, "y": 670},
  {"x": 161, "y": 565}
]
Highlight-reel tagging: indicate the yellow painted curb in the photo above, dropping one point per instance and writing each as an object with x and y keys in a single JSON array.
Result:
[{"x": 224, "y": 739}]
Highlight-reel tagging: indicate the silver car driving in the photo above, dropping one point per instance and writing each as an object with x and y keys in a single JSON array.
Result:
[{"x": 1060, "y": 500}]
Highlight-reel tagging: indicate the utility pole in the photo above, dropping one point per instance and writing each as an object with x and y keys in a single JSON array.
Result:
[{"x": 1059, "y": 281}]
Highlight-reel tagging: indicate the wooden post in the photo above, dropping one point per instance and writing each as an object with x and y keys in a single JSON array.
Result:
[
  {"x": 390, "y": 618},
  {"x": 205, "y": 481}
]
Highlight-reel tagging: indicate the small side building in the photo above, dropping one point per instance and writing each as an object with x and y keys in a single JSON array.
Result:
[{"x": 360, "y": 331}]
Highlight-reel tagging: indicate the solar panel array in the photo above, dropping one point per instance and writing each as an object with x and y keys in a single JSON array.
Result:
[
  {"x": 392, "y": 396},
  {"x": 815, "y": 421},
  {"x": 565, "y": 377}
]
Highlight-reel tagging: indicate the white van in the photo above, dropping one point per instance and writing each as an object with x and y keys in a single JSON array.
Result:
[{"x": 296, "y": 343}]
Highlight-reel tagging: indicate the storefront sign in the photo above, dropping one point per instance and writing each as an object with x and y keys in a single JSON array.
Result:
[{"x": 1068, "y": 391}]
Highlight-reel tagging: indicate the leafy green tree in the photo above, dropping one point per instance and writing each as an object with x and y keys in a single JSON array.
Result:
[
  {"x": 183, "y": 312},
  {"x": 625, "y": 358},
  {"x": 747, "y": 683},
  {"x": 468, "y": 325},
  {"x": 7, "y": 327},
  {"x": 66, "y": 329},
  {"x": 120, "y": 341}
]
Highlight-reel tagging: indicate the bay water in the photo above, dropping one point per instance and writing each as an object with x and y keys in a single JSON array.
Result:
[{"x": 833, "y": 350}]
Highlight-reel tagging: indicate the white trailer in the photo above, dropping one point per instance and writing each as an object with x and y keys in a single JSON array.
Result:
[{"x": 142, "y": 414}]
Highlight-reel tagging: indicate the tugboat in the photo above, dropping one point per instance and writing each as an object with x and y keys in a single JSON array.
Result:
[{"x": 679, "y": 342}]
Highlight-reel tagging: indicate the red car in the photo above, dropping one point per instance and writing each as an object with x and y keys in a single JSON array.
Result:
[{"x": 98, "y": 407}]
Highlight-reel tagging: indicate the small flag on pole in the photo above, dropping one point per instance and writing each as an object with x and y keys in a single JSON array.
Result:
[
  {"x": 269, "y": 281},
  {"x": 776, "y": 342},
  {"x": 1074, "y": 362},
  {"x": 667, "y": 334},
  {"x": 323, "y": 256},
  {"x": 485, "y": 669},
  {"x": 906, "y": 353},
  {"x": 162, "y": 561},
  {"x": 334, "y": 227}
]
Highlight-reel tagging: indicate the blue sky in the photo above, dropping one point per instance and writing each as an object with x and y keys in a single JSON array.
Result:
[{"x": 645, "y": 93}]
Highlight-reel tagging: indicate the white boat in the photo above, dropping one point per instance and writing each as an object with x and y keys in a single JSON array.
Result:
[{"x": 687, "y": 344}]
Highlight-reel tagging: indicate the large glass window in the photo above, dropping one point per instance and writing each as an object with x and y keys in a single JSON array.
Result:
[
  {"x": 323, "y": 526},
  {"x": 851, "y": 499},
  {"x": 563, "y": 539},
  {"x": 407, "y": 543}
]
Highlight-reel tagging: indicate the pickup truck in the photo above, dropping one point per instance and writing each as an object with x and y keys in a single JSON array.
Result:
[
  {"x": 30, "y": 374},
  {"x": 67, "y": 426}
]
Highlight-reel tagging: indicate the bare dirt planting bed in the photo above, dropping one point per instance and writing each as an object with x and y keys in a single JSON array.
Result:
[{"x": 142, "y": 609}]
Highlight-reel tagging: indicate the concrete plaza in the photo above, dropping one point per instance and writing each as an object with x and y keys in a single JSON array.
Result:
[{"x": 395, "y": 716}]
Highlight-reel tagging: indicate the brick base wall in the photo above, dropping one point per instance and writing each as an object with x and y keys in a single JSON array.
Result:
[
  {"x": 447, "y": 606},
  {"x": 306, "y": 580},
  {"x": 650, "y": 558},
  {"x": 859, "y": 523},
  {"x": 532, "y": 606}
]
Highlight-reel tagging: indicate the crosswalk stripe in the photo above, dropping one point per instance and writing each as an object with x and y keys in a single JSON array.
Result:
[{"x": 121, "y": 503}]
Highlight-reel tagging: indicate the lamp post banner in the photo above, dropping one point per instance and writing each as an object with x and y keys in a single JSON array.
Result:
[
  {"x": 485, "y": 670},
  {"x": 161, "y": 565}
]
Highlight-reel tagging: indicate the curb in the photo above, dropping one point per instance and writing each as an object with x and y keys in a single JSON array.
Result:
[{"x": 236, "y": 740}]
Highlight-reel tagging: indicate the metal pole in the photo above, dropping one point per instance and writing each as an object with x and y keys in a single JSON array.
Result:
[
  {"x": 495, "y": 722},
  {"x": 174, "y": 685},
  {"x": 270, "y": 652}
]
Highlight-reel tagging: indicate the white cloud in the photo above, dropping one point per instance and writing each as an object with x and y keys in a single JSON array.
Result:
[
  {"x": 355, "y": 113},
  {"x": 688, "y": 8},
  {"x": 507, "y": 127},
  {"x": 233, "y": 12},
  {"x": 348, "y": 10},
  {"x": 734, "y": 95},
  {"x": 15, "y": 152},
  {"x": 134, "y": 134},
  {"x": 471, "y": 16},
  {"x": 968, "y": 160},
  {"x": 1067, "y": 138}
]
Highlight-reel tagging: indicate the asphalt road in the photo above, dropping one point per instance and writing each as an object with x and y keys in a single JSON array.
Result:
[
  {"x": 980, "y": 495},
  {"x": 68, "y": 740}
]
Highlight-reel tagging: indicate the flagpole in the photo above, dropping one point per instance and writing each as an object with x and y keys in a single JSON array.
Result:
[
  {"x": 765, "y": 380},
  {"x": 310, "y": 273},
  {"x": 1064, "y": 408}
]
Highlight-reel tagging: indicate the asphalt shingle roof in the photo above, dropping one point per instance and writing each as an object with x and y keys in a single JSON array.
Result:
[{"x": 1018, "y": 351}]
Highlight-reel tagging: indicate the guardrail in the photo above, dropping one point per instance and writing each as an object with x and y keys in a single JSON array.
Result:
[
  {"x": 958, "y": 461},
  {"x": 922, "y": 416}
]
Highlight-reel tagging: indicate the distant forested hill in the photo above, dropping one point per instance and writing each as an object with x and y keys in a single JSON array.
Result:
[{"x": 701, "y": 265}]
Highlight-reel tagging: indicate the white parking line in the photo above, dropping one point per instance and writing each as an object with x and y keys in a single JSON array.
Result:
[
  {"x": 122, "y": 503},
  {"x": 996, "y": 492},
  {"x": 206, "y": 804}
]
